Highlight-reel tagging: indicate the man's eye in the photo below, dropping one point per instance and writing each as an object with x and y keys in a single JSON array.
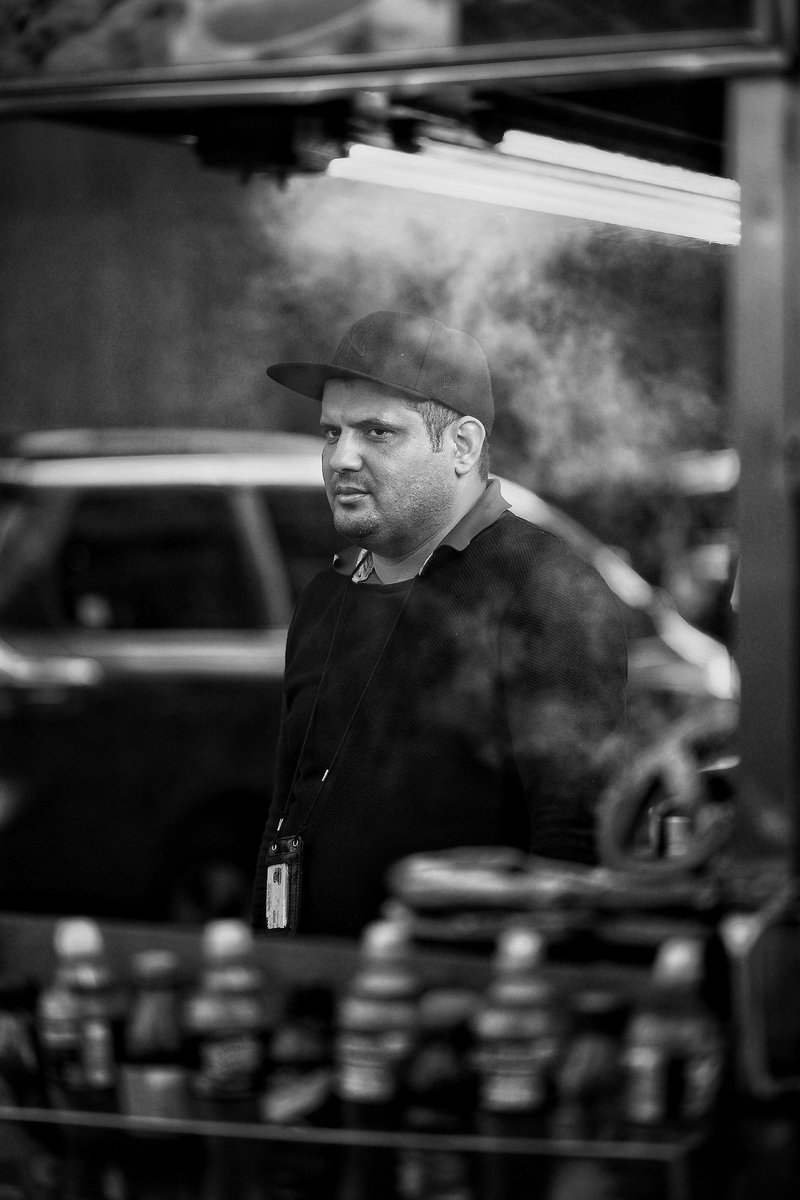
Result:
[
  {"x": 330, "y": 435},
  {"x": 378, "y": 432}
]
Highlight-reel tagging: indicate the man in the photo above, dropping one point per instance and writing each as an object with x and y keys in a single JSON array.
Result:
[{"x": 456, "y": 677}]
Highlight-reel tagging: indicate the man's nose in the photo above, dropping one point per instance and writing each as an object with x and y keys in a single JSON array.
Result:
[{"x": 345, "y": 453}]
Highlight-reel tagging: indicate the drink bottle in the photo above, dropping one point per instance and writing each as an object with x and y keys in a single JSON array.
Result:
[
  {"x": 376, "y": 1034},
  {"x": 227, "y": 1021},
  {"x": 20, "y": 1069},
  {"x": 299, "y": 1091},
  {"x": 674, "y": 1056},
  {"x": 80, "y": 1014},
  {"x": 78, "y": 946},
  {"x": 589, "y": 1075},
  {"x": 160, "y": 1165},
  {"x": 518, "y": 1037},
  {"x": 30, "y": 1166},
  {"x": 101, "y": 1019},
  {"x": 438, "y": 1097}
]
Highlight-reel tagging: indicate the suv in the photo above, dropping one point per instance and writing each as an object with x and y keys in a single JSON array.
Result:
[{"x": 146, "y": 586}]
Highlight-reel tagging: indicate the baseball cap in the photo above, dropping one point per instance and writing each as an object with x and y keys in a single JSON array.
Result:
[{"x": 414, "y": 355}]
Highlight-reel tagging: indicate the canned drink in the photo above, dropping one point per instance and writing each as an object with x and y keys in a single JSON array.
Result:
[{"x": 677, "y": 834}]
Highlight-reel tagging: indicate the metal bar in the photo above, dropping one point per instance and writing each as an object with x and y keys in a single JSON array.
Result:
[
  {"x": 764, "y": 367},
  {"x": 667, "y": 1151},
  {"x": 304, "y": 81}
]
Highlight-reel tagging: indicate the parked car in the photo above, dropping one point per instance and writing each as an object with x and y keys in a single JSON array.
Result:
[
  {"x": 146, "y": 583},
  {"x": 701, "y": 544}
]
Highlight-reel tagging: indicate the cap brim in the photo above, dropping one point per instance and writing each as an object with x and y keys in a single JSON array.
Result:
[{"x": 309, "y": 379}]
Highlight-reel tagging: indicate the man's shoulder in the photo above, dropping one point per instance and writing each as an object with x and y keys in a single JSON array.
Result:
[
  {"x": 529, "y": 557},
  {"x": 318, "y": 589},
  {"x": 512, "y": 535}
]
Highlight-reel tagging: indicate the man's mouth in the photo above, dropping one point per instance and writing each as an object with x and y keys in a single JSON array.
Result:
[{"x": 348, "y": 491}]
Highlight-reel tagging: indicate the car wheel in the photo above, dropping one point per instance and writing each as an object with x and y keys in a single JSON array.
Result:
[{"x": 685, "y": 772}]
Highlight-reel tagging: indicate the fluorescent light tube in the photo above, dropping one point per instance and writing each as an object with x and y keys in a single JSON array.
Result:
[{"x": 562, "y": 178}]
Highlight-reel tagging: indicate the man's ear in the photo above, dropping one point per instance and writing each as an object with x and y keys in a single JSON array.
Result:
[{"x": 469, "y": 436}]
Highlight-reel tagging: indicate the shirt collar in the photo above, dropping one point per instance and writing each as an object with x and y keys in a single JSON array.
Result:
[{"x": 490, "y": 505}]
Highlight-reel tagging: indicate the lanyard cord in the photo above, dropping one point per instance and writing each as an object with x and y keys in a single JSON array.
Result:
[
  {"x": 314, "y": 705},
  {"x": 353, "y": 714}
]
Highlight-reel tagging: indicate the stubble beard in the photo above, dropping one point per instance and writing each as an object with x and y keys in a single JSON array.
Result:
[
  {"x": 396, "y": 531},
  {"x": 354, "y": 527}
]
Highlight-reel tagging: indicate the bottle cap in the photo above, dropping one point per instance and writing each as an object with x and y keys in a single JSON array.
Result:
[
  {"x": 155, "y": 964},
  {"x": 443, "y": 1008},
  {"x": 227, "y": 939},
  {"x": 385, "y": 939},
  {"x": 597, "y": 1001},
  {"x": 90, "y": 975},
  {"x": 78, "y": 937},
  {"x": 519, "y": 948},
  {"x": 678, "y": 961}
]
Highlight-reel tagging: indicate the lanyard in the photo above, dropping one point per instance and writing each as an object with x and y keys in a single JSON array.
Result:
[{"x": 354, "y": 712}]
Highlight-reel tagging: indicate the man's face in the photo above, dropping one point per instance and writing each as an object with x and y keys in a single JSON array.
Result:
[{"x": 388, "y": 488}]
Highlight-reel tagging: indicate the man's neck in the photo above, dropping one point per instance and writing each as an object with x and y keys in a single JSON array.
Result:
[{"x": 395, "y": 570}]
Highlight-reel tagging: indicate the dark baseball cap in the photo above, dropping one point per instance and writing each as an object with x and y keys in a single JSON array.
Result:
[{"x": 413, "y": 355}]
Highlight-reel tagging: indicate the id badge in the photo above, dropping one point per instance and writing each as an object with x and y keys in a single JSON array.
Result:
[{"x": 283, "y": 866}]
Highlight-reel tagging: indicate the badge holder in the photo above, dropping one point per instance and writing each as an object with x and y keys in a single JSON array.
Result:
[{"x": 284, "y": 865}]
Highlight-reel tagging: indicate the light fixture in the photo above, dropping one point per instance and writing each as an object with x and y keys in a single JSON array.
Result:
[{"x": 568, "y": 179}]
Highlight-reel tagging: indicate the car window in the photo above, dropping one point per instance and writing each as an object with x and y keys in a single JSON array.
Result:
[
  {"x": 31, "y": 529},
  {"x": 9, "y": 505},
  {"x": 304, "y": 527},
  {"x": 146, "y": 558}
]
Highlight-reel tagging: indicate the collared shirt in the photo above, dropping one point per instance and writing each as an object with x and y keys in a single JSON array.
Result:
[{"x": 490, "y": 505}]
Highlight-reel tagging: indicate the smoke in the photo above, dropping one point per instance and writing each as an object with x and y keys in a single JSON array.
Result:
[{"x": 603, "y": 346}]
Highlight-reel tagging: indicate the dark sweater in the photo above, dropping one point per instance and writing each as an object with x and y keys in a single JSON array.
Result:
[{"x": 485, "y": 721}]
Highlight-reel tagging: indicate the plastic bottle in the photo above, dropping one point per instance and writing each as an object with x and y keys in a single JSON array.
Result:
[
  {"x": 300, "y": 1092},
  {"x": 376, "y": 1034},
  {"x": 674, "y": 1057},
  {"x": 78, "y": 944},
  {"x": 518, "y": 1036},
  {"x": 227, "y": 1021},
  {"x": 518, "y": 1031},
  {"x": 438, "y": 1097},
  {"x": 30, "y": 1163},
  {"x": 159, "y": 1165},
  {"x": 20, "y": 1071},
  {"x": 589, "y": 1076},
  {"x": 80, "y": 1014},
  {"x": 101, "y": 1019}
]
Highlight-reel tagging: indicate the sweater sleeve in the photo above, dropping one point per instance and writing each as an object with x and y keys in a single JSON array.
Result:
[{"x": 563, "y": 668}]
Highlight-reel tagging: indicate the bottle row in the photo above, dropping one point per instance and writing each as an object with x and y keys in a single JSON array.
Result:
[{"x": 514, "y": 1057}]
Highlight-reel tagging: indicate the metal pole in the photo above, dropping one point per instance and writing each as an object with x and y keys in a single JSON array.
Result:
[{"x": 764, "y": 383}]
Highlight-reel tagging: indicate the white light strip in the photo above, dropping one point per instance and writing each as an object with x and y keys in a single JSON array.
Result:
[
  {"x": 560, "y": 178},
  {"x": 614, "y": 165}
]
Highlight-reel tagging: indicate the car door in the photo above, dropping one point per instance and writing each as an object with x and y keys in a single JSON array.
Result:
[
  {"x": 301, "y": 519},
  {"x": 156, "y": 590}
]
